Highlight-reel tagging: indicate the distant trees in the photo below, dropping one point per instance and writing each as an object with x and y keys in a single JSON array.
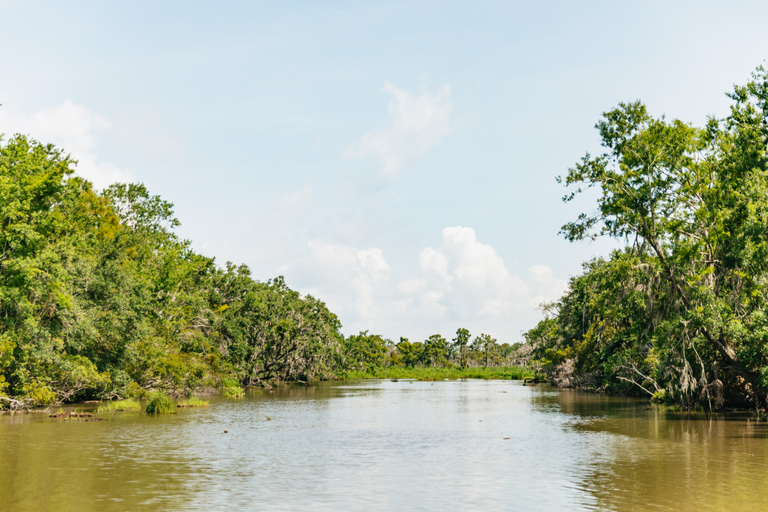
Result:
[
  {"x": 461, "y": 341},
  {"x": 485, "y": 346},
  {"x": 365, "y": 351},
  {"x": 435, "y": 351}
]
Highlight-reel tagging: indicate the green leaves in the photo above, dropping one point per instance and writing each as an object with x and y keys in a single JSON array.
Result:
[
  {"x": 98, "y": 295},
  {"x": 365, "y": 351},
  {"x": 271, "y": 332},
  {"x": 693, "y": 203}
]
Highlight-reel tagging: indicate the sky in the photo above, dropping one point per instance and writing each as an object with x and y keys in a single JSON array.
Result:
[{"x": 395, "y": 159}]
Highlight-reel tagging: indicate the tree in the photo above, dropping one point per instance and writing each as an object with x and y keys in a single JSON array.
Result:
[
  {"x": 269, "y": 331},
  {"x": 693, "y": 203},
  {"x": 100, "y": 298},
  {"x": 410, "y": 353},
  {"x": 365, "y": 351},
  {"x": 461, "y": 340},
  {"x": 484, "y": 345},
  {"x": 435, "y": 351}
]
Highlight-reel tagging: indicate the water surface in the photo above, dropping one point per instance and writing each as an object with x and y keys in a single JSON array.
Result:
[{"x": 381, "y": 445}]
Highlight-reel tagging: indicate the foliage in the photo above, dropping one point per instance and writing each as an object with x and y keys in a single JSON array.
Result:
[
  {"x": 159, "y": 403},
  {"x": 432, "y": 373},
  {"x": 232, "y": 389},
  {"x": 365, "y": 351},
  {"x": 192, "y": 401},
  {"x": 100, "y": 298},
  {"x": 270, "y": 332},
  {"x": 233, "y": 392},
  {"x": 120, "y": 405},
  {"x": 461, "y": 341},
  {"x": 680, "y": 313}
]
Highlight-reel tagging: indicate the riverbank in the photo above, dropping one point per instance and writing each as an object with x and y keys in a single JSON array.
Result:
[{"x": 491, "y": 373}]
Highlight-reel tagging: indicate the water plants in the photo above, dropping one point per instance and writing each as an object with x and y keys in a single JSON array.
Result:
[
  {"x": 120, "y": 405},
  {"x": 232, "y": 389},
  {"x": 159, "y": 403},
  {"x": 192, "y": 401}
]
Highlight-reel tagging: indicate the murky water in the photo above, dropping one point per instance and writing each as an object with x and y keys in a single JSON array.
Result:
[{"x": 473, "y": 445}]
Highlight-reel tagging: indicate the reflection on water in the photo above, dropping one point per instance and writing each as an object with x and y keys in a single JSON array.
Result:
[{"x": 381, "y": 445}]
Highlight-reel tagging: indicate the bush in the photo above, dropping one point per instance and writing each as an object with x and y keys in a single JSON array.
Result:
[
  {"x": 160, "y": 403},
  {"x": 234, "y": 391},
  {"x": 232, "y": 388}
]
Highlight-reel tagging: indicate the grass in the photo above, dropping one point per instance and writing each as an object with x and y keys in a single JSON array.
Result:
[
  {"x": 234, "y": 392},
  {"x": 192, "y": 401},
  {"x": 395, "y": 372},
  {"x": 120, "y": 405},
  {"x": 160, "y": 403},
  {"x": 232, "y": 389}
]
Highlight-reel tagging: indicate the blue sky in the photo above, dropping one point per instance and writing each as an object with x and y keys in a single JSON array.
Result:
[{"x": 396, "y": 159}]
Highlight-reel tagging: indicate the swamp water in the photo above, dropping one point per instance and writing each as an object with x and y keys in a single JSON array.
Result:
[{"x": 381, "y": 445}]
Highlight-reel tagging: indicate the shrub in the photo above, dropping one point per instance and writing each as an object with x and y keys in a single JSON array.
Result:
[
  {"x": 160, "y": 403},
  {"x": 232, "y": 388}
]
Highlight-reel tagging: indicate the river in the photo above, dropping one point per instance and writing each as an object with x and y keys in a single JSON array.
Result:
[{"x": 382, "y": 445}]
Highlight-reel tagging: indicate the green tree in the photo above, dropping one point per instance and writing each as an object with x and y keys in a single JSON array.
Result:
[
  {"x": 693, "y": 204},
  {"x": 435, "y": 351},
  {"x": 365, "y": 351},
  {"x": 410, "y": 353},
  {"x": 269, "y": 331},
  {"x": 485, "y": 346},
  {"x": 461, "y": 341}
]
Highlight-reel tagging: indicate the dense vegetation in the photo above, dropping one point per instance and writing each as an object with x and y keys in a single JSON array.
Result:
[
  {"x": 443, "y": 373},
  {"x": 371, "y": 353},
  {"x": 680, "y": 313},
  {"x": 99, "y": 298}
]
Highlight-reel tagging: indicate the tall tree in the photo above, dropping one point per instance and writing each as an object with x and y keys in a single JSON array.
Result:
[
  {"x": 461, "y": 341},
  {"x": 693, "y": 203}
]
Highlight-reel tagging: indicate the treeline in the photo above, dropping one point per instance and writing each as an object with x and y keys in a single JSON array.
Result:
[
  {"x": 679, "y": 314},
  {"x": 368, "y": 352},
  {"x": 99, "y": 298}
]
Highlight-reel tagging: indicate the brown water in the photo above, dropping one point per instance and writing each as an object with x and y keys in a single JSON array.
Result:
[{"x": 381, "y": 445}]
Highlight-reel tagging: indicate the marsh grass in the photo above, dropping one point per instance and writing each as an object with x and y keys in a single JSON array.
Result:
[
  {"x": 192, "y": 401},
  {"x": 232, "y": 389},
  {"x": 160, "y": 403},
  {"x": 120, "y": 405},
  {"x": 432, "y": 374},
  {"x": 234, "y": 392}
]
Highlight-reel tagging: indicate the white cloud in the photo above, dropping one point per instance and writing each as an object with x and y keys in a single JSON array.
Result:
[
  {"x": 346, "y": 278},
  {"x": 467, "y": 278},
  {"x": 418, "y": 123},
  {"x": 71, "y": 128},
  {"x": 462, "y": 282},
  {"x": 466, "y": 282}
]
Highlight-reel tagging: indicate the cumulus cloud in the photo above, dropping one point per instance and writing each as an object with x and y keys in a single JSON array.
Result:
[
  {"x": 464, "y": 277},
  {"x": 346, "y": 278},
  {"x": 461, "y": 282},
  {"x": 72, "y": 128},
  {"x": 465, "y": 281},
  {"x": 418, "y": 123}
]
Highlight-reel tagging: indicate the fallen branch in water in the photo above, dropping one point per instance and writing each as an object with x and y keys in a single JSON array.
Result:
[{"x": 15, "y": 404}]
